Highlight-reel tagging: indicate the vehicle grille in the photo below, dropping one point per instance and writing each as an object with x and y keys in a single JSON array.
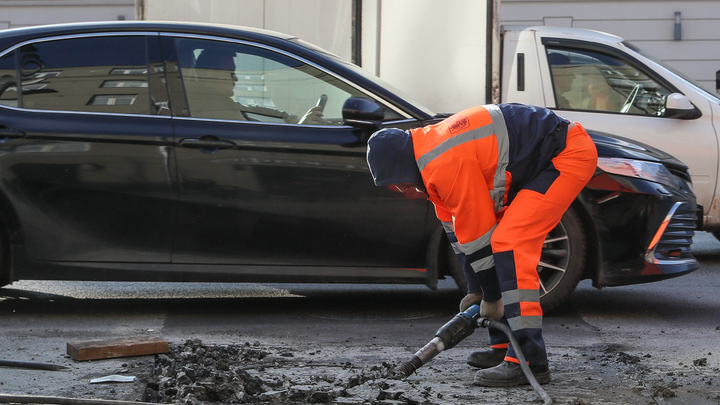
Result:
[
  {"x": 674, "y": 237},
  {"x": 681, "y": 173}
]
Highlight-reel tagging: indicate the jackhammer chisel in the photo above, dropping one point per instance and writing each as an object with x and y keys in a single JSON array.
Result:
[{"x": 455, "y": 331}]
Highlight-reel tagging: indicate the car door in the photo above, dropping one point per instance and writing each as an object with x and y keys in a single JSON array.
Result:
[
  {"x": 86, "y": 148},
  {"x": 264, "y": 180}
]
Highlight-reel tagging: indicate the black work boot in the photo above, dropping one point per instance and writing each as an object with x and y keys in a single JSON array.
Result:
[
  {"x": 509, "y": 374},
  {"x": 486, "y": 358}
]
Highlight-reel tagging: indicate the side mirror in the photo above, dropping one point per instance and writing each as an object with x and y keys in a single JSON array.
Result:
[
  {"x": 678, "y": 106},
  {"x": 365, "y": 116},
  {"x": 362, "y": 113}
]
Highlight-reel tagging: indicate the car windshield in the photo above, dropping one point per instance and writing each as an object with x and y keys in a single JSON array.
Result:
[
  {"x": 682, "y": 75},
  {"x": 364, "y": 73}
]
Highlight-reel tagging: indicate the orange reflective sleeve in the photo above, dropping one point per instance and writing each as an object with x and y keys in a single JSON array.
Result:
[
  {"x": 442, "y": 214},
  {"x": 463, "y": 190}
]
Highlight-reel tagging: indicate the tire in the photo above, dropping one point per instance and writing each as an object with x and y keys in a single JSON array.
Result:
[
  {"x": 4, "y": 256},
  {"x": 562, "y": 261},
  {"x": 455, "y": 269}
]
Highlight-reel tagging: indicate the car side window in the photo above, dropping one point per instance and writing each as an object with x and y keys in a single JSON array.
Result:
[
  {"x": 225, "y": 80},
  {"x": 594, "y": 81},
  {"x": 93, "y": 74}
]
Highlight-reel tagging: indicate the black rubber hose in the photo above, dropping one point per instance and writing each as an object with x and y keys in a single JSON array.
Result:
[
  {"x": 30, "y": 364},
  {"x": 521, "y": 358},
  {"x": 36, "y": 399}
]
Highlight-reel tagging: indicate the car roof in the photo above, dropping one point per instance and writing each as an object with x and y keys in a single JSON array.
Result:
[
  {"x": 11, "y": 38},
  {"x": 236, "y": 31}
]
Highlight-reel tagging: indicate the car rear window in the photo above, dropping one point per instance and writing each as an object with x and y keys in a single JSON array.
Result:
[{"x": 88, "y": 74}]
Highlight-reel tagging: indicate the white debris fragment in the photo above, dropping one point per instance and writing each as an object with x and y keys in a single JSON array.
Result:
[{"x": 113, "y": 378}]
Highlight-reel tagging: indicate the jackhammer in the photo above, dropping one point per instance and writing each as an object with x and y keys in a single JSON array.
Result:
[{"x": 456, "y": 330}]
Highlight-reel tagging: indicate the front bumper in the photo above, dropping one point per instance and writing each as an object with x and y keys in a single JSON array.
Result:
[{"x": 644, "y": 229}]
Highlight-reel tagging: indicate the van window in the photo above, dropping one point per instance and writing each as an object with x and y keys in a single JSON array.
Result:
[
  {"x": 593, "y": 81},
  {"x": 93, "y": 74}
]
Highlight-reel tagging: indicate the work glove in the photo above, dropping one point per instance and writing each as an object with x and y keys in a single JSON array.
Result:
[
  {"x": 470, "y": 300},
  {"x": 493, "y": 310}
]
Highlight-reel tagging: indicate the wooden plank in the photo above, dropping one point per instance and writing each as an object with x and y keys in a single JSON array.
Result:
[{"x": 106, "y": 349}]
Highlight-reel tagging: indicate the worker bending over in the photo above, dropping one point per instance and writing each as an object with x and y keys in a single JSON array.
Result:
[{"x": 501, "y": 177}]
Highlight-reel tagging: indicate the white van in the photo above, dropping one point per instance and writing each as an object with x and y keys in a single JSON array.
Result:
[{"x": 610, "y": 85}]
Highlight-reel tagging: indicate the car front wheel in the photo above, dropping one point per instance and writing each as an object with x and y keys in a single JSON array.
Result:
[
  {"x": 4, "y": 258},
  {"x": 561, "y": 262}
]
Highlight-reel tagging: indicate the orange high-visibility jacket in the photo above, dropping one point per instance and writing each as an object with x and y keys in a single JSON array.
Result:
[{"x": 474, "y": 160}]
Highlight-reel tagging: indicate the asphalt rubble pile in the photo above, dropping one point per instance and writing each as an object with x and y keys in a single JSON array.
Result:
[
  {"x": 193, "y": 373},
  {"x": 196, "y": 374}
]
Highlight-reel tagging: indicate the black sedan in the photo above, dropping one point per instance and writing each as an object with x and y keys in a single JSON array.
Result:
[{"x": 186, "y": 152}]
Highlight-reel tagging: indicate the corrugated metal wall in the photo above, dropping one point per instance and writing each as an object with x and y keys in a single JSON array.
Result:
[
  {"x": 649, "y": 24},
  {"x": 23, "y": 13}
]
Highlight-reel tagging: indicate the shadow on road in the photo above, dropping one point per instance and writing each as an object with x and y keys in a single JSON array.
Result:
[{"x": 324, "y": 303}]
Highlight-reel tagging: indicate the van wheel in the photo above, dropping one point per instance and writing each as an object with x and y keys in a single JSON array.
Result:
[{"x": 562, "y": 261}]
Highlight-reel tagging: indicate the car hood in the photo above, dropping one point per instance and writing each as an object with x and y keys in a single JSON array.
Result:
[{"x": 616, "y": 146}]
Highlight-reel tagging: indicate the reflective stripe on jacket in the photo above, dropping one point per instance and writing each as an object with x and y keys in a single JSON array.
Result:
[{"x": 470, "y": 161}]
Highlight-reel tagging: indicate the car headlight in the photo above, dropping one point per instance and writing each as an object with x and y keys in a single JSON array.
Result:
[{"x": 638, "y": 169}]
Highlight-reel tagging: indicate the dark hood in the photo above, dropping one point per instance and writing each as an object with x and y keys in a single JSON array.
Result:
[
  {"x": 616, "y": 146},
  {"x": 391, "y": 158}
]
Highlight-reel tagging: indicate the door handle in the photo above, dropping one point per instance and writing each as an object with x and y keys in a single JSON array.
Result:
[
  {"x": 206, "y": 143},
  {"x": 9, "y": 133}
]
